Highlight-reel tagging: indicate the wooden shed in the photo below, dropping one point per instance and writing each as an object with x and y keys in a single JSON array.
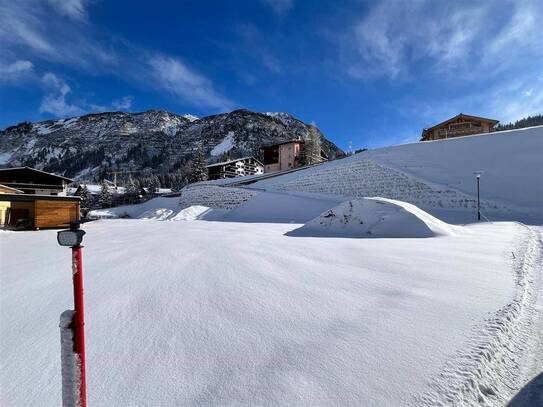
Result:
[{"x": 38, "y": 211}]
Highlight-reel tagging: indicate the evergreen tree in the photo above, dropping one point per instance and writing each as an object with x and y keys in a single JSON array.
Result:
[
  {"x": 105, "y": 200},
  {"x": 198, "y": 171},
  {"x": 154, "y": 184},
  {"x": 86, "y": 199},
  {"x": 132, "y": 190}
]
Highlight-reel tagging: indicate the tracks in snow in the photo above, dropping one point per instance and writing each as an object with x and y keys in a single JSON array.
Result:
[{"x": 496, "y": 364}]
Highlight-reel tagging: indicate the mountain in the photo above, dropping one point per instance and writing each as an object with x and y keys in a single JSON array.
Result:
[{"x": 149, "y": 143}]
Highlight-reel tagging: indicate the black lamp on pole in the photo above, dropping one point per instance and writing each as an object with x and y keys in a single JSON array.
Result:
[{"x": 478, "y": 177}]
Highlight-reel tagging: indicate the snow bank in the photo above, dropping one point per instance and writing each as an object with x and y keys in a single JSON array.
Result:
[
  {"x": 160, "y": 209},
  {"x": 155, "y": 208},
  {"x": 198, "y": 212},
  {"x": 374, "y": 218},
  {"x": 156, "y": 214}
]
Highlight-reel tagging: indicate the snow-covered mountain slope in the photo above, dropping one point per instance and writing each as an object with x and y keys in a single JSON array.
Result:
[
  {"x": 436, "y": 176},
  {"x": 157, "y": 141}
]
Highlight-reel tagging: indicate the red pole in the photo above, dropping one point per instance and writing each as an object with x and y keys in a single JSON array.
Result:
[{"x": 78, "y": 322}]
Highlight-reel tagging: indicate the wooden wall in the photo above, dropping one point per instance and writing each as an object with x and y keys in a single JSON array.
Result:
[{"x": 55, "y": 213}]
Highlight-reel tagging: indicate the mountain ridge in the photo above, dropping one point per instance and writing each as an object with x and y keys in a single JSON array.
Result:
[{"x": 151, "y": 142}]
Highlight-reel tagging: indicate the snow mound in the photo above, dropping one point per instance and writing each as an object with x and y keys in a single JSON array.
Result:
[
  {"x": 156, "y": 214},
  {"x": 271, "y": 207},
  {"x": 152, "y": 209},
  {"x": 374, "y": 218},
  {"x": 197, "y": 212}
]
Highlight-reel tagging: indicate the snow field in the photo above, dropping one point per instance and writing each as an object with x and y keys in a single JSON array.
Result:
[{"x": 267, "y": 319}]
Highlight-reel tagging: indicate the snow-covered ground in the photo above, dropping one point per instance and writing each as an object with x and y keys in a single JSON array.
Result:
[
  {"x": 339, "y": 284},
  {"x": 224, "y": 313}
]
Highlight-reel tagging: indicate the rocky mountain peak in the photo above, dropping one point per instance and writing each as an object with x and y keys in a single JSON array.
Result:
[{"x": 150, "y": 142}]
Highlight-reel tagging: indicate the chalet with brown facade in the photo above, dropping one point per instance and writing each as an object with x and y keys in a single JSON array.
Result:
[
  {"x": 31, "y": 198},
  {"x": 239, "y": 167},
  {"x": 458, "y": 126}
]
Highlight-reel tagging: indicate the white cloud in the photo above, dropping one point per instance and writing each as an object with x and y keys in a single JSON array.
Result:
[
  {"x": 395, "y": 33},
  {"x": 74, "y": 9},
  {"x": 522, "y": 29},
  {"x": 15, "y": 70},
  {"x": 54, "y": 34},
  {"x": 280, "y": 6},
  {"x": 124, "y": 103},
  {"x": 457, "y": 37},
  {"x": 176, "y": 78},
  {"x": 55, "y": 101},
  {"x": 512, "y": 103}
]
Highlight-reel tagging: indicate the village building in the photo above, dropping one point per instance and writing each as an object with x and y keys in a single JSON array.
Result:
[
  {"x": 286, "y": 156},
  {"x": 33, "y": 181},
  {"x": 239, "y": 167},
  {"x": 458, "y": 126},
  {"x": 31, "y": 198}
]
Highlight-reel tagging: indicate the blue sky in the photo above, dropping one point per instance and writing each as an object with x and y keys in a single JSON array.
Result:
[{"x": 372, "y": 73}]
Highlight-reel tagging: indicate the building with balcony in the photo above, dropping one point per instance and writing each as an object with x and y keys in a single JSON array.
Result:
[
  {"x": 458, "y": 126},
  {"x": 239, "y": 167}
]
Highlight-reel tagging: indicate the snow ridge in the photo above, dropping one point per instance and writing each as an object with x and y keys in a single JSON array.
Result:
[{"x": 488, "y": 372}]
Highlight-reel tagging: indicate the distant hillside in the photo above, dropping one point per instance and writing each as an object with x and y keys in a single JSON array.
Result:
[{"x": 154, "y": 142}]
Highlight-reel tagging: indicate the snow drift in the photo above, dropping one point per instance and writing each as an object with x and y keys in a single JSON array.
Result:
[
  {"x": 374, "y": 218},
  {"x": 198, "y": 212},
  {"x": 159, "y": 209},
  {"x": 271, "y": 207}
]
